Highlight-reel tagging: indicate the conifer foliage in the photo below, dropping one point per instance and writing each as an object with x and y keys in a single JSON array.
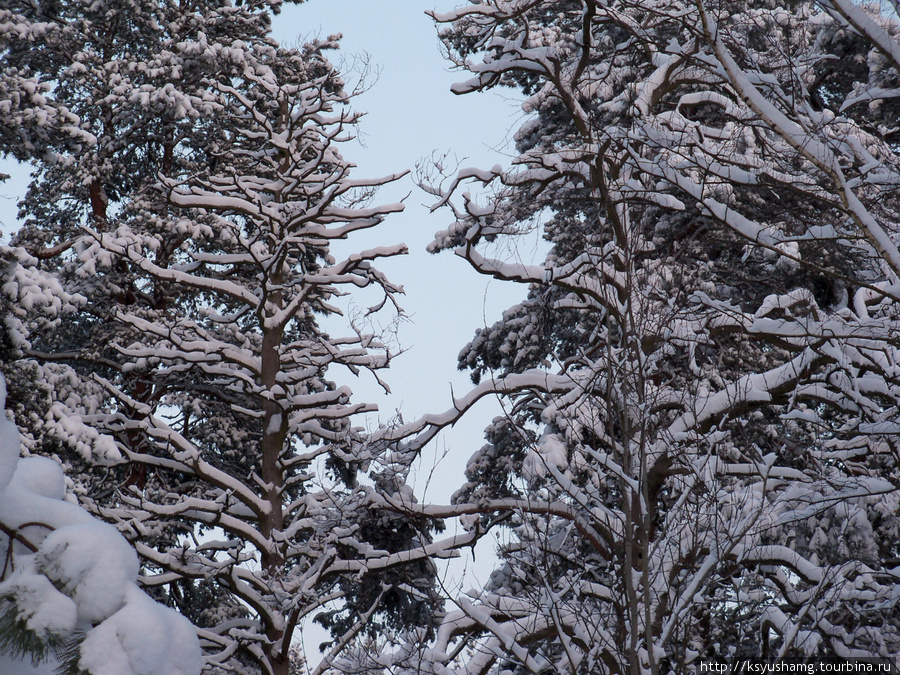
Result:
[{"x": 69, "y": 590}]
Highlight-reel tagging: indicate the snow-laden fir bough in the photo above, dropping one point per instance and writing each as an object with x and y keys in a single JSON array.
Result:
[{"x": 69, "y": 591}]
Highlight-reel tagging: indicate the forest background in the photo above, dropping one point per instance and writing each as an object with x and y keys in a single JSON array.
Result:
[{"x": 698, "y": 454}]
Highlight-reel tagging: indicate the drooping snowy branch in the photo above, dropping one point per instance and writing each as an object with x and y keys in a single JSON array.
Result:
[{"x": 69, "y": 580}]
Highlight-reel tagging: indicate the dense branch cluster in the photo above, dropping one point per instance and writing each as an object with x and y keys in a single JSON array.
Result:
[{"x": 698, "y": 456}]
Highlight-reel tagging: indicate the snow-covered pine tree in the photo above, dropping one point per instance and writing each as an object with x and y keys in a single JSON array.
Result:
[
  {"x": 699, "y": 454},
  {"x": 167, "y": 289},
  {"x": 243, "y": 414}
]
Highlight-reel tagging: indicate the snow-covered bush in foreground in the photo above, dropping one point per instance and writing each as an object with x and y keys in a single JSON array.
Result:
[{"x": 68, "y": 582}]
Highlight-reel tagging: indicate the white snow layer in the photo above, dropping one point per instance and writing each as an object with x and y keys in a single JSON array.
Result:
[{"x": 72, "y": 572}]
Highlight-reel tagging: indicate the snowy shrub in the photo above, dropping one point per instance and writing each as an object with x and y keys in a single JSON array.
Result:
[{"x": 68, "y": 588}]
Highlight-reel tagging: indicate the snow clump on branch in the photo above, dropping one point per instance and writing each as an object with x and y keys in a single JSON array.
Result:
[{"x": 68, "y": 585}]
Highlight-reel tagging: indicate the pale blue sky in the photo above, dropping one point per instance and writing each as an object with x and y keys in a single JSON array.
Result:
[{"x": 410, "y": 114}]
